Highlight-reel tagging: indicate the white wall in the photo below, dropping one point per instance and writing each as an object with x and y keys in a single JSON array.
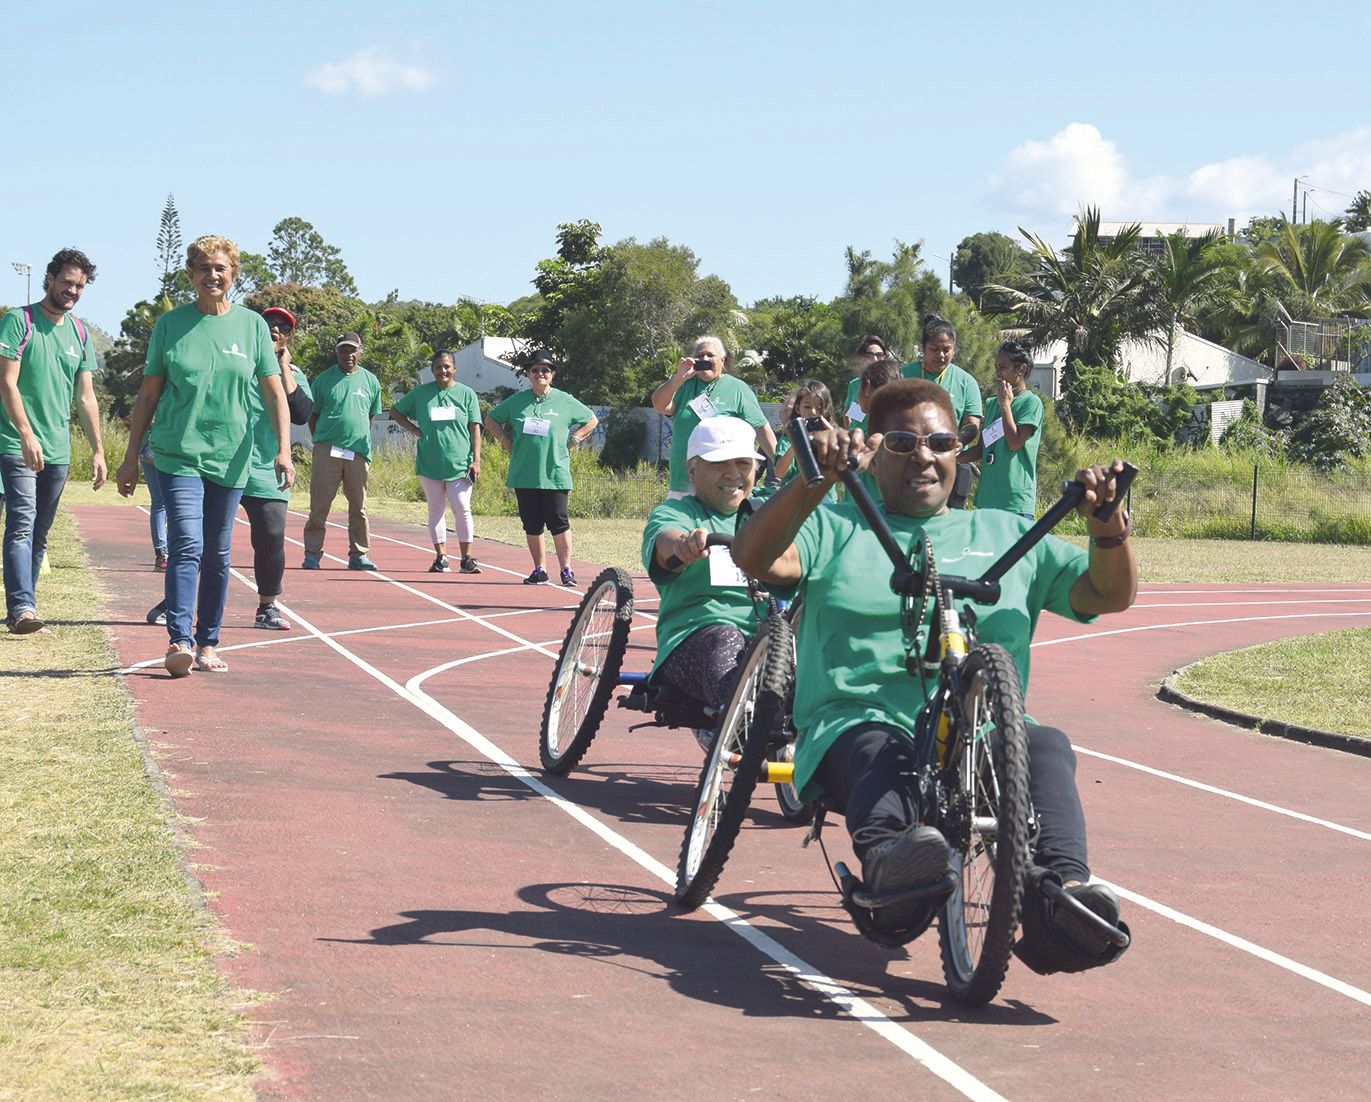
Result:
[{"x": 1196, "y": 361}]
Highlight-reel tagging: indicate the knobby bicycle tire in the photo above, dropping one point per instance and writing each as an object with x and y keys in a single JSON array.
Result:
[
  {"x": 560, "y": 749},
  {"x": 747, "y": 727},
  {"x": 977, "y": 927}
]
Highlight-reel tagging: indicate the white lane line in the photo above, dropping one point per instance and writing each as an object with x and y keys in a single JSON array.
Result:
[
  {"x": 1302, "y": 970},
  {"x": 858, "y": 1008},
  {"x": 1226, "y": 794},
  {"x": 1145, "y": 589},
  {"x": 420, "y": 678},
  {"x": 1195, "y": 624},
  {"x": 1240, "y": 604}
]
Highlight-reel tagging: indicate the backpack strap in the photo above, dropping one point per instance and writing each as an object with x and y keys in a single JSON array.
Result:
[{"x": 82, "y": 334}]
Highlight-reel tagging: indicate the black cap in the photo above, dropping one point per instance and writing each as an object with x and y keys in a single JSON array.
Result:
[
  {"x": 542, "y": 356},
  {"x": 348, "y": 338}
]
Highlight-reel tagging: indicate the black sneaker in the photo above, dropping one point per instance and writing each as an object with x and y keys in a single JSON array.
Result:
[
  {"x": 269, "y": 619},
  {"x": 538, "y": 577},
  {"x": 470, "y": 565},
  {"x": 157, "y": 614},
  {"x": 568, "y": 578},
  {"x": 908, "y": 859},
  {"x": 440, "y": 565}
]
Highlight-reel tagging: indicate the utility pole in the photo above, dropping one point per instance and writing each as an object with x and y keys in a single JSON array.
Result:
[
  {"x": 25, "y": 270},
  {"x": 1295, "y": 200}
]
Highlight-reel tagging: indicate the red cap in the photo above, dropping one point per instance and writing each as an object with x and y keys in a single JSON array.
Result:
[{"x": 280, "y": 312}]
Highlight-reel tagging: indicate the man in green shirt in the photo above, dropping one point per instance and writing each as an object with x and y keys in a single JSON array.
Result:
[
  {"x": 706, "y": 614},
  {"x": 46, "y": 355},
  {"x": 855, "y": 704},
  {"x": 700, "y": 389},
  {"x": 1008, "y": 447},
  {"x": 346, "y": 397}
]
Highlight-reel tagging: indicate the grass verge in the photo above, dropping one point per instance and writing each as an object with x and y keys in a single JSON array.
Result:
[
  {"x": 1311, "y": 681},
  {"x": 108, "y": 987}
]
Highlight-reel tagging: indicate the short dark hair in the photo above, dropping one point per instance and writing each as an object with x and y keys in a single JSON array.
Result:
[
  {"x": 441, "y": 353},
  {"x": 935, "y": 325},
  {"x": 1018, "y": 355},
  {"x": 871, "y": 338},
  {"x": 906, "y": 394},
  {"x": 881, "y": 373},
  {"x": 69, "y": 258}
]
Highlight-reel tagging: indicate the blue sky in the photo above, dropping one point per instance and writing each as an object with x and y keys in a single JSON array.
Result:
[{"x": 439, "y": 145}]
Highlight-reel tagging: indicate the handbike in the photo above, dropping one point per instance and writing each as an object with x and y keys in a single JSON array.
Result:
[
  {"x": 971, "y": 756},
  {"x": 589, "y": 670}
]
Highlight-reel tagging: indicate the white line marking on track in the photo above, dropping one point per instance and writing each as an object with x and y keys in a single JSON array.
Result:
[
  {"x": 859, "y": 1009},
  {"x": 1192, "y": 624},
  {"x": 1303, "y": 970},
  {"x": 1264, "y": 604},
  {"x": 1212, "y": 790}
]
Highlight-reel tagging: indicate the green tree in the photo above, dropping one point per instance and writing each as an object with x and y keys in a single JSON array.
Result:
[
  {"x": 798, "y": 337},
  {"x": 1339, "y": 429},
  {"x": 889, "y": 298},
  {"x": 1093, "y": 296},
  {"x": 298, "y": 253},
  {"x": 1191, "y": 277},
  {"x": 988, "y": 258},
  {"x": 171, "y": 261},
  {"x": 117, "y": 384},
  {"x": 1359, "y": 213},
  {"x": 253, "y": 274},
  {"x": 321, "y": 314},
  {"x": 1320, "y": 272}
]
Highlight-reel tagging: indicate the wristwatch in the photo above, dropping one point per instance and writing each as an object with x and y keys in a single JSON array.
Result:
[{"x": 1106, "y": 542}]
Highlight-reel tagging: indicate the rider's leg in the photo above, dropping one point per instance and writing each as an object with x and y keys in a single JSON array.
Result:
[
  {"x": 1061, "y": 821},
  {"x": 702, "y": 665}
]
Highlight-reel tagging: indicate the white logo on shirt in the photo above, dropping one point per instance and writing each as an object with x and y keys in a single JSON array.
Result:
[
  {"x": 233, "y": 351},
  {"x": 71, "y": 351}
]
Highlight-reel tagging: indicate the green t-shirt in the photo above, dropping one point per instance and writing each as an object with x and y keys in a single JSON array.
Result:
[
  {"x": 344, "y": 404},
  {"x": 262, "y": 480},
  {"x": 695, "y": 597},
  {"x": 538, "y": 431},
  {"x": 849, "y": 646},
  {"x": 445, "y": 417},
  {"x": 47, "y": 380},
  {"x": 1009, "y": 479},
  {"x": 728, "y": 396},
  {"x": 212, "y": 364},
  {"x": 959, "y": 384}
]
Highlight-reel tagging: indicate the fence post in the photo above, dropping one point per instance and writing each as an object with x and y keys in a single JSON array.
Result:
[{"x": 1253, "y": 533}]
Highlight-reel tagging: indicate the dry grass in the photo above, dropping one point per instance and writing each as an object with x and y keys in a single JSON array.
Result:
[{"x": 108, "y": 987}]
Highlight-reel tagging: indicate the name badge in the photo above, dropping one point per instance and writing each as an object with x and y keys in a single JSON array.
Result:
[
  {"x": 536, "y": 426},
  {"x": 443, "y": 413},
  {"x": 703, "y": 407},
  {"x": 854, "y": 413},
  {"x": 993, "y": 433},
  {"x": 341, "y": 453},
  {"x": 723, "y": 571}
]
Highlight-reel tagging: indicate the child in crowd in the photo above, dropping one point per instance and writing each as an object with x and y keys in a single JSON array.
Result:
[{"x": 811, "y": 399}]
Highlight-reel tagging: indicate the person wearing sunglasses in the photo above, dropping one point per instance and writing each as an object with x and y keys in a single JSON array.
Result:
[
  {"x": 536, "y": 427},
  {"x": 855, "y": 704},
  {"x": 870, "y": 349},
  {"x": 1008, "y": 448}
]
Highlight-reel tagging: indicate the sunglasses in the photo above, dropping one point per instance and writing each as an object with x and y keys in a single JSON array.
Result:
[
  {"x": 540, "y": 371},
  {"x": 904, "y": 443}
]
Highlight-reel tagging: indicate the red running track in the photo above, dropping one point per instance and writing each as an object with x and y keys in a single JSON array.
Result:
[{"x": 434, "y": 922}]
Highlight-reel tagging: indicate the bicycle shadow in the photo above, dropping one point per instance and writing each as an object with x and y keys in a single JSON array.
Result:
[{"x": 642, "y": 931}]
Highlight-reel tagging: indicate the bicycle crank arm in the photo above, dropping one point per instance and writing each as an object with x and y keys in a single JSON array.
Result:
[{"x": 1063, "y": 898}]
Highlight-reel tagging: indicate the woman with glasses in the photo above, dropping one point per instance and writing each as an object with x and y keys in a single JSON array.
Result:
[
  {"x": 869, "y": 350},
  {"x": 1008, "y": 448},
  {"x": 536, "y": 427},
  {"x": 855, "y": 704}
]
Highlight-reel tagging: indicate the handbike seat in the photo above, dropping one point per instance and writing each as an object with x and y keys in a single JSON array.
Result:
[
  {"x": 669, "y": 706},
  {"x": 865, "y": 906}
]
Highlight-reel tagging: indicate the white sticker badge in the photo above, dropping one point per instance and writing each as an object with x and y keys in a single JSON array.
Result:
[
  {"x": 703, "y": 407},
  {"x": 723, "y": 571},
  {"x": 443, "y": 413},
  {"x": 854, "y": 413},
  {"x": 536, "y": 426},
  {"x": 993, "y": 433},
  {"x": 341, "y": 453}
]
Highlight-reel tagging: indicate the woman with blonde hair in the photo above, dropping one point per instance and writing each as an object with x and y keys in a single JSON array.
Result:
[{"x": 204, "y": 359}]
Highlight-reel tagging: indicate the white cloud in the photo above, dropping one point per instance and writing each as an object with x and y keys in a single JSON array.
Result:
[
  {"x": 375, "y": 71},
  {"x": 1079, "y": 166}
]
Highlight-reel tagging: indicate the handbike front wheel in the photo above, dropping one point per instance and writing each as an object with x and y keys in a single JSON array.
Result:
[
  {"x": 987, "y": 825},
  {"x": 746, "y": 729},
  {"x": 586, "y": 672}
]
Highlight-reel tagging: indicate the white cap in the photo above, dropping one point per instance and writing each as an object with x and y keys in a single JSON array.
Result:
[{"x": 716, "y": 439}]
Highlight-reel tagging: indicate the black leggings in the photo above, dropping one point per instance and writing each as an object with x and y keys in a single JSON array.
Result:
[
  {"x": 702, "y": 665},
  {"x": 869, "y": 772},
  {"x": 267, "y": 523}
]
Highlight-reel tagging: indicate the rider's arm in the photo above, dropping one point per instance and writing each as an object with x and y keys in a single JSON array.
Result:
[
  {"x": 674, "y": 549},
  {"x": 1110, "y": 584},
  {"x": 764, "y": 547}
]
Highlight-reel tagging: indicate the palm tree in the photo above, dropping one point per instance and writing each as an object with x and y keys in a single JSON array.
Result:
[
  {"x": 1320, "y": 272},
  {"x": 1359, "y": 213},
  {"x": 1093, "y": 296},
  {"x": 1191, "y": 276}
]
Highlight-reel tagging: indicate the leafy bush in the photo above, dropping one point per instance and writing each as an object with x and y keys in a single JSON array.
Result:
[
  {"x": 1248, "y": 434},
  {"x": 1338, "y": 430},
  {"x": 1098, "y": 402}
]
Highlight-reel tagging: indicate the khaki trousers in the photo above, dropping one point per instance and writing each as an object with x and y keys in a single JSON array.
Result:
[{"x": 326, "y": 472}]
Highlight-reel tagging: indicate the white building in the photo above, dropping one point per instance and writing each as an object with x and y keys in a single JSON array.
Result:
[
  {"x": 1199, "y": 362},
  {"x": 486, "y": 364}
]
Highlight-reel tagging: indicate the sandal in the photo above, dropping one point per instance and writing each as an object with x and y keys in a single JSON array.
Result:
[
  {"x": 26, "y": 623},
  {"x": 209, "y": 662},
  {"x": 179, "y": 660}
]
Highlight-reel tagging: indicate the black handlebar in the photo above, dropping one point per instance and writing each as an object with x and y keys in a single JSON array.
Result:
[{"x": 714, "y": 539}]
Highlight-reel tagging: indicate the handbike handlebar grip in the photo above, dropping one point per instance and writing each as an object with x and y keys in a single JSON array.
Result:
[
  {"x": 674, "y": 562},
  {"x": 804, "y": 451},
  {"x": 1122, "y": 480}
]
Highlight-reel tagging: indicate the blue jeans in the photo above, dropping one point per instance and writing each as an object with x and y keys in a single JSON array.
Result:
[
  {"x": 30, "y": 504},
  {"x": 200, "y": 530},
  {"x": 157, "y": 515}
]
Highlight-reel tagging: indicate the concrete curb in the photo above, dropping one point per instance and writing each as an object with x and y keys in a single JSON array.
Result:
[{"x": 1348, "y": 744}]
